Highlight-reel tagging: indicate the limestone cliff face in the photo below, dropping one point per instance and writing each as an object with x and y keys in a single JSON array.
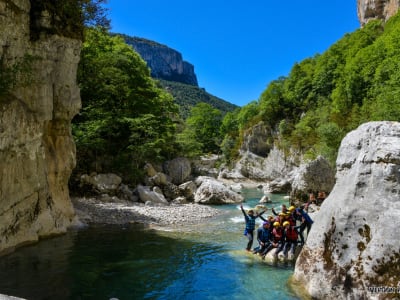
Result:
[
  {"x": 164, "y": 62},
  {"x": 376, "y": 9},
  {"x": 354, "y": 244},
  {"x": 37, "y": 152}
]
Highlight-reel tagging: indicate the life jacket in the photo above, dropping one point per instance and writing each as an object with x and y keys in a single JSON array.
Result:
[
  {"x": 291, "y": 234},
  {"x": 292, "y": 220},
  {"x": 277, "y": 233}
]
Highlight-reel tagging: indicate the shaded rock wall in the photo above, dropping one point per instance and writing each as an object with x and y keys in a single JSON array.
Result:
[
  {"x": 354, "y": 243},
  {"x": 37, "y": 152}
]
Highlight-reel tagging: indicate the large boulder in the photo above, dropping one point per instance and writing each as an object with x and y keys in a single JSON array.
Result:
[
  {"x": 102, "y": 183},
  {"x": 148, "y": 195},
  {"x": 212, "y": 191},
  {"x": 316, "y": 175},
  {"x": 353, "y": 245},
  {"x": 206, "y": 165},
  {"x": 179, "y": 169}
]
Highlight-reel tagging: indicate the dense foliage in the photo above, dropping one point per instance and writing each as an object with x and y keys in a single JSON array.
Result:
[
  {"x": 201, "y": 133},
  {"x": 356, "y": 80},
  {"x": 126, "y": 118}
]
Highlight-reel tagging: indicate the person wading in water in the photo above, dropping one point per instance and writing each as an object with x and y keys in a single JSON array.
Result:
[{"x": 250, "y": 220}]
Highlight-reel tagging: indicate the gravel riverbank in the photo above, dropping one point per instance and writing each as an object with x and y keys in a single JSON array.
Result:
[{"x": 93, "y": 211}]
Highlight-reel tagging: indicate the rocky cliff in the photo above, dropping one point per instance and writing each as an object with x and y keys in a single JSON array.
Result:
[
  {"x": 37, "y": 152},
  {"x": 281, "y": 171},
  {"x": 164, "y": 62},
  {"x": 353, "y": 246},
  {"x": 376, "y": 9}
]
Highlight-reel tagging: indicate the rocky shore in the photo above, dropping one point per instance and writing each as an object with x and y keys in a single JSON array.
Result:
[{"x": 94, "y": 211}]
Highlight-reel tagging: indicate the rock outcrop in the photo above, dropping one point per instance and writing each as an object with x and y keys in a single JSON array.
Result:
[
  {"x": 353, "y": 245},
  {"x": 256, "y": 140},
  {"x": 316, "y": 175},
  {"x": 164, "y": 62},
  {"x": 376, "y": 9},
  {"x": 37, "y": 152},
  {"x": 212, "y": 191}
]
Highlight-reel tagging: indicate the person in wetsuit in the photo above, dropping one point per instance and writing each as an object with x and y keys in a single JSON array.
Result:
[
  {"x": 264, "y": 237},
  {"x": 250, "y": 220}
]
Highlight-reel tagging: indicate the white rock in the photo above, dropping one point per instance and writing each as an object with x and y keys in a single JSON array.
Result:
[{"x": 354, "y": 242}]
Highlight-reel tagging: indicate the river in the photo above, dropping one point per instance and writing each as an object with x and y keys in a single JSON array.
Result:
[{"x": 205, "y": 261}]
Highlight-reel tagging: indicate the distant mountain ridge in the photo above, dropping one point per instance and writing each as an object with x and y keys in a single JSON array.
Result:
[
  {"x": 175, "y": 75},
  {"x": 165, "y": 63}
]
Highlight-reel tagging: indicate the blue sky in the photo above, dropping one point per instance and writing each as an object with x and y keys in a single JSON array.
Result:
[{"x": 238, "y": 47}]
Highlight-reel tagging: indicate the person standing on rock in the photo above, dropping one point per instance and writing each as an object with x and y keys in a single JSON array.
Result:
[
  {"x": 291, "y": 236},
  {"x": 250, "y": 220},
  {"x": 306, "y": 222}
]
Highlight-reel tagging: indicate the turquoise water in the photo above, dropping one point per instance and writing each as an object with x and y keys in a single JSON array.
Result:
[{"x": 205, "y": 261}]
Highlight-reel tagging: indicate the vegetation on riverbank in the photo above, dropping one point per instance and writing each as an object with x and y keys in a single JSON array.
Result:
[
  {"x": 356, "y": 80},
  {"x": 128, "y": 118}
]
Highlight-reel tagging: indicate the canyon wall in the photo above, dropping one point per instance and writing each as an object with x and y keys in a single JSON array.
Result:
[
  {"x": 37, "y": 152},
  {"x": 164, "y": 62}
]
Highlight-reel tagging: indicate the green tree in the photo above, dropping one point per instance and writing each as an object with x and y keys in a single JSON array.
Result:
[
  {"x": 126, "y": 119},
  {"x": 202, "y": 131}
]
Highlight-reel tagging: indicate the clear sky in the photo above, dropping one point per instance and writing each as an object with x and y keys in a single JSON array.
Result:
[{"x": 237, "y": 47}]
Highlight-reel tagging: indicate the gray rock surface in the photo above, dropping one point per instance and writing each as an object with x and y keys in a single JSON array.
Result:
[
  {"x": 354, "y": 242},
  {"x": 148, "y": 195},
  {"x": 103, "y": 183},
  {"x": 178, "y": 169},
  {"x": 255, "y": 140},
  {"x": 316, "y": 175},
  {"x": 212, "y": 191},
  {"x": 37, "y": 152},
  {"x": 164, "y": 62},
  {"x": 376, "y": 9}
]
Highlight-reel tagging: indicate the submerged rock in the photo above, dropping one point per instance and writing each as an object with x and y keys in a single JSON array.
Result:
[{"x": 353, "y": 244}]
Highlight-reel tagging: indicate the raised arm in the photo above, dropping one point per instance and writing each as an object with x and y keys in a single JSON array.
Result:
[{"x": 244, "y": 213}]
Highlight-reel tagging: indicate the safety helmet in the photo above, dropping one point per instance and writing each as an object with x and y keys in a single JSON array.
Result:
[
  {"x": 286, "y": 223},
  {"x": 292, "y": 208},
  {"x": 276, "y": 224}
]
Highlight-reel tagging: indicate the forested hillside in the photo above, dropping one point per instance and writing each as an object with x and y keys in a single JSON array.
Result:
[
  {"x": 128, "y": 118},
  {"x": 356, "y": 80},
  {"x": 187, "y": 96}
]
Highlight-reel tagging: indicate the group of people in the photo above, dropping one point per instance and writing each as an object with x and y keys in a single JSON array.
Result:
[{"x": 280, "y": 230}]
